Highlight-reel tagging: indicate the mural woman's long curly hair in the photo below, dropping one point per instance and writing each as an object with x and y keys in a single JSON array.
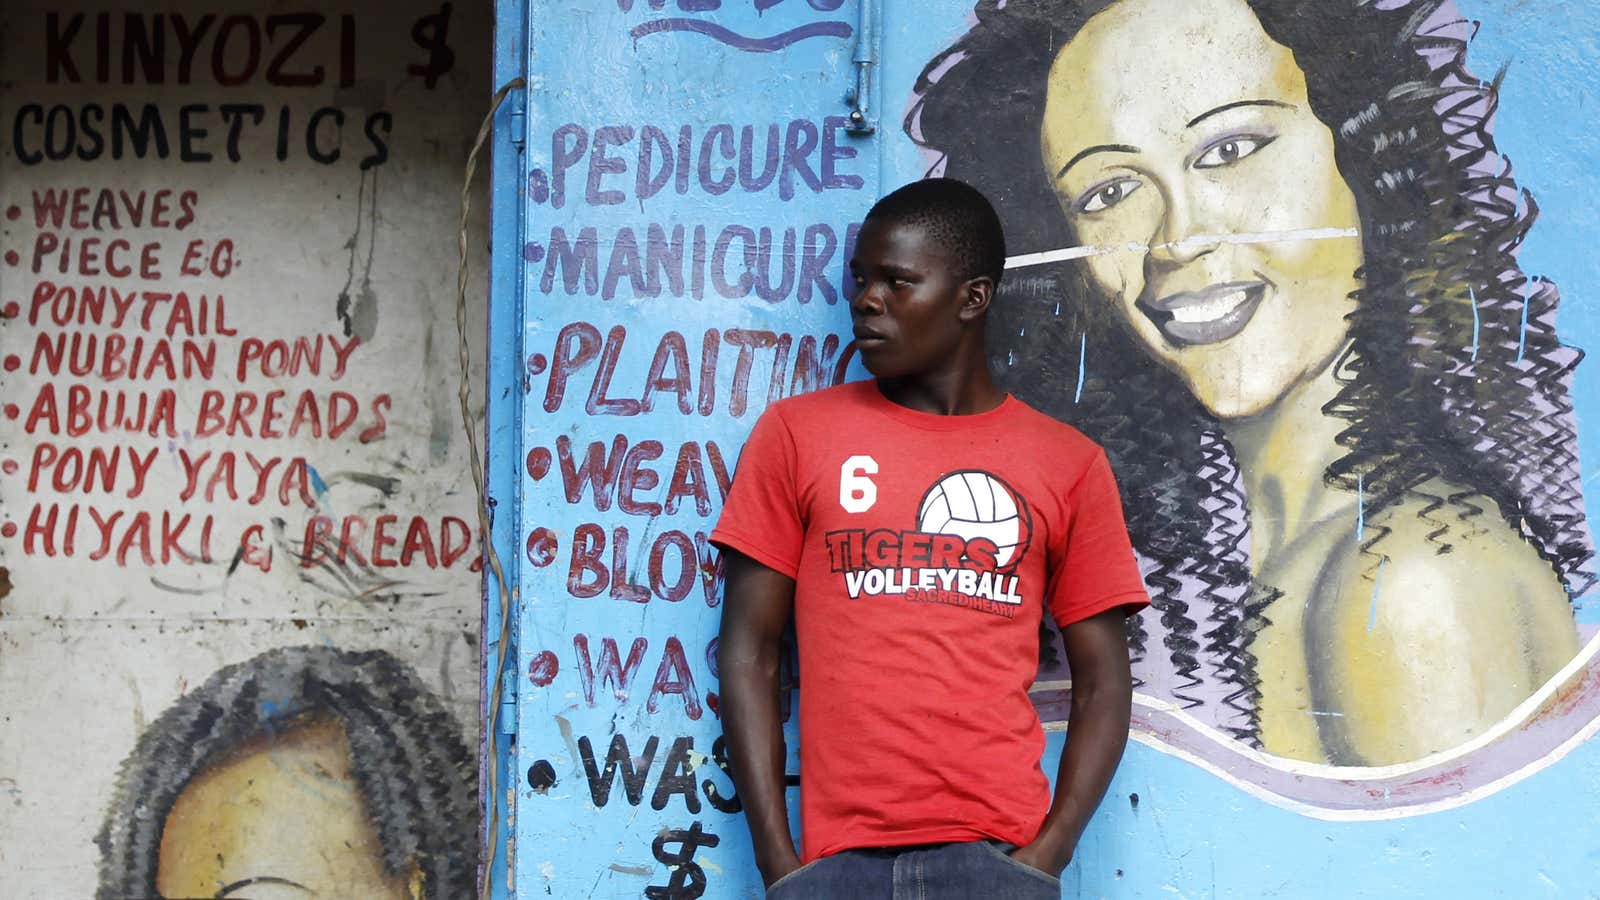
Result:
[{"x": 1454, "y": 374}]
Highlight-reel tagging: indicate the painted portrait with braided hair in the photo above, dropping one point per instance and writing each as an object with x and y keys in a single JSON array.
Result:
[
  {"x": 302, "y": 771},
  {"x": 1267, "y": 257}
]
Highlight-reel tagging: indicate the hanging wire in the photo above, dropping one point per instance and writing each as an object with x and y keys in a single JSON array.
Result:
[{"x": 464, "y": 394}]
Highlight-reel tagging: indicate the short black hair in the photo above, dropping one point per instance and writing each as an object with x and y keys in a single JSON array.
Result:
[
  {"x": 956, "y": 215},
  {"x": 410, "y": 764}
]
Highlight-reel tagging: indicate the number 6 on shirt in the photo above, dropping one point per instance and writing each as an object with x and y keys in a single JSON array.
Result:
[{"x": 857, "y": 493}]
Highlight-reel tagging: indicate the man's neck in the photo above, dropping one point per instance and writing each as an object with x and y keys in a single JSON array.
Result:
[{"x": 964, "y": 387}]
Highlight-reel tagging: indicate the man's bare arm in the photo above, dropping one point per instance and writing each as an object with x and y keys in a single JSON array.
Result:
[
  {"x": 1102, "y": 697},
  {"x": 756, "y": 609}
]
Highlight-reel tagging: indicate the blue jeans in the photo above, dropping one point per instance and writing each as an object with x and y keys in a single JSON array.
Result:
[{"x": 980, "y": 870}]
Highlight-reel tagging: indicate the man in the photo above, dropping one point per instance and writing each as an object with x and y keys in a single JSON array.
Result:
[{"x": 917, "y": 526}]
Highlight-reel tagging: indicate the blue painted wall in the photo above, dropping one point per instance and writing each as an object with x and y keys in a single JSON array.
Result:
[{"x": 1191, "y": 813}]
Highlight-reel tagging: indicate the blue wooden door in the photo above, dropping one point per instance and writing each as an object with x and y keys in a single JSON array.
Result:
[{"x": 691, "y": 177}]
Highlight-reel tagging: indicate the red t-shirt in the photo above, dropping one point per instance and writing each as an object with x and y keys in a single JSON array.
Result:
[{"x": 924, "y": 549}]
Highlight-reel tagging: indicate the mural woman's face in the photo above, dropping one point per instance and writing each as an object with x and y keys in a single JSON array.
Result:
[
  {"x": 1178, "y": 136},
  {"x": 280, "y": 817}
]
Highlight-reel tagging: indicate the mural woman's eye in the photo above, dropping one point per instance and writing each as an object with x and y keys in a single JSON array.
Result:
[
  {"x": 1107, "y": 195},
  {"x": 1230, "y": 151}
]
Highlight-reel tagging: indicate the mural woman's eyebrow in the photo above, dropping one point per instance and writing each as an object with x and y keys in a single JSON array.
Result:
[
  {"x": 1237, "y": 103},
  {"x": 261, "y": 879},
  {"x": 1097, "y": 148}
]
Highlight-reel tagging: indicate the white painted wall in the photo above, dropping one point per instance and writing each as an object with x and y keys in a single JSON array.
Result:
[{"x": 94, "y": 646}]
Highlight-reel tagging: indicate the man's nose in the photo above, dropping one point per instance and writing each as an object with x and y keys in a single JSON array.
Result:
[{"x": 867, "y": 300}]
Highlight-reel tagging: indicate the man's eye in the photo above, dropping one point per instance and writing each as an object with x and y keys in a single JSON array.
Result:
[
  {"x": 1230, "y": 151},
  {"x": 1108, "y": 195}
]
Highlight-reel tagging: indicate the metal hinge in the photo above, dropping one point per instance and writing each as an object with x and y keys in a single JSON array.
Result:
[
  {"x": 865, "y": 57},
  {"x": 508, "y": 695},
  {"x": 519, "y": 106}
]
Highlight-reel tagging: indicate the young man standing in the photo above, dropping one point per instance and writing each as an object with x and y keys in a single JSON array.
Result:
[{"x": 917, "y": 526}]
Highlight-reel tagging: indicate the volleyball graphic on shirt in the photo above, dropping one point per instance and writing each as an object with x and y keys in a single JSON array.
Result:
[{"x": 972, "y": 504}]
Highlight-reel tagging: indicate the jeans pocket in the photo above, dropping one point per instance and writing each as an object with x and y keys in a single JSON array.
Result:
[
  {"x": 791, "y": 879},
  {"x": 1003, "y": 851}
]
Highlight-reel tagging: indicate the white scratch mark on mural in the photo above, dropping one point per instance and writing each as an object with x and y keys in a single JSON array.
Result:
[
  {"x": 1477, "y": 321},
  {"x": 1083, "y": 354},
  {"x": 1189, "y": 243},
  {"x": 1522, "y": 332},
  {"x": 1361, "y": 506},
  {"x": 1372, "y": 609}
]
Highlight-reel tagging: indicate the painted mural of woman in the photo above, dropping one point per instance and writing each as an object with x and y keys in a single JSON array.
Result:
[{"x": 1337, "y": 407}]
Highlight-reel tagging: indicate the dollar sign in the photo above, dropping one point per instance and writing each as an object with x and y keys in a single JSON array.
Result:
[
  {"x": 688, "y": 880},
  {"x": 431, "y": 33}
]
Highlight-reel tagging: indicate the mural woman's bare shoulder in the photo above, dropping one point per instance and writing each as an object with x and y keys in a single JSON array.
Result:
[{"x": 1434, "y": 631}]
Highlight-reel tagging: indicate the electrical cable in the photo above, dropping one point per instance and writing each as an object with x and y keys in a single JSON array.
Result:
[{"x": 464, "y": 394}]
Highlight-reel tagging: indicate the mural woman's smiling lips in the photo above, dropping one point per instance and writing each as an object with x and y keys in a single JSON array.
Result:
[{"x": 1207, "y": 316}]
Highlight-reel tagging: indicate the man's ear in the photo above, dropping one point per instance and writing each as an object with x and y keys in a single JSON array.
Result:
[{"x": 977, "y": 294}]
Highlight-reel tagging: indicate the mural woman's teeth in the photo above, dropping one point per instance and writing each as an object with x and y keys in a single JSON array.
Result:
[
  {"x": 1209, "y": 310},
  {"x": 1207, "y": 316}
]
